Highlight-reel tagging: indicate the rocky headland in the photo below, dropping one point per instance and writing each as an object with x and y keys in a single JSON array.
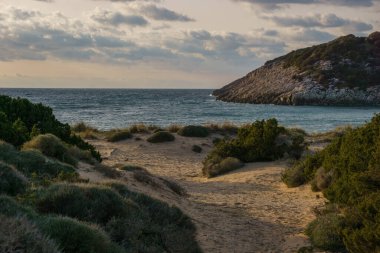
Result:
[{"x": 345, "y": 71}]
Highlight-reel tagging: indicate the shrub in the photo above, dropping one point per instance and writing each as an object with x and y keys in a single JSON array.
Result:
[
  {"x": 119, "y": 136},
  {"x": 140, "y": 128},
  {"x": 160, "y": 137},
  {"x": 302, "y": 171},
  {"x": 20, "y": 120},
  {"x": 260, "y": 141},
  {"x": 175, "y": 187},
  {"x": 350, "y": 178},
  {"x": 196, "y": 149},
  {"x": 157, "y": 227},
  {"x": 326, "y": 232},
  {"x": 9, "y": 207},
  {"x": 33, "y": 163},
  {"x": 77, "y": 237},
  {"x": 218, "y": 166},
  {"x": 107, "y": 171},
  {"x": 51, "y": 146},
  {"x": 173, "y": 128},
  {"x": 87, "y": 203},
  {"x": 12, "y": 182},
  {"x": 17, "y": 234},
  {"x": 194, "y": 131},
  {"x": 131, "y": 168},
  {"x": 83, "y": 127},
  {"x": 145, "y": 177}
]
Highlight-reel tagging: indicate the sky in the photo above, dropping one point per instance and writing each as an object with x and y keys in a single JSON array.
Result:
[{"x": 163, "y": 43}]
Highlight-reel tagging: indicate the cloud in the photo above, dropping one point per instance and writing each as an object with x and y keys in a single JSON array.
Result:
[
  {"x": 306, "y": 35},
  {"x": 279, "y": 3},
  {"x": 159, "y": 13},
  {"x": 117, "y": 18},
  {"x": 321, "y": 21}
]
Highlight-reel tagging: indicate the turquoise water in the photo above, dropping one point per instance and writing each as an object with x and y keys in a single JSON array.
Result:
[{"x": 112, "y": 108}]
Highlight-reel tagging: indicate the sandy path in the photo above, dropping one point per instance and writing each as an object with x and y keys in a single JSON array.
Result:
[{"x": 248, "y": 210}]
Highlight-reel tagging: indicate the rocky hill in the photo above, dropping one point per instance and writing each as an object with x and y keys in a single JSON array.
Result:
[{"x": 345, "y": 71}]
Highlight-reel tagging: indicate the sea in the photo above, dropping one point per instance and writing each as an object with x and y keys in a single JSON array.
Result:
[{"x": 119, "y": 108}]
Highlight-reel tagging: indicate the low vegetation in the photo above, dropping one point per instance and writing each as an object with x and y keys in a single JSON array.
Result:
[
  {"x": 45, "y": 206},
  {"x": 161, "y": 136},
  {"x": 21, "y": 120},
  {"x": 118, "y": 135},
  {"x": 347, "y": 172},
  {"x": 196, "y": 149},
  {"x": 353, "y": 60},
  {"x": 194, "y": 131},
  {"x": 18, "y": 234},
  {"x": 260, "y": 141}
]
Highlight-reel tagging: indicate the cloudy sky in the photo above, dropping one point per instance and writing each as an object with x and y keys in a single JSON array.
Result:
[{"x": 163, "y": 43}]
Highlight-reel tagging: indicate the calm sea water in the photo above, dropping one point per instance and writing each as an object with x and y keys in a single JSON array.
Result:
[{"x": 112, "y": 108}]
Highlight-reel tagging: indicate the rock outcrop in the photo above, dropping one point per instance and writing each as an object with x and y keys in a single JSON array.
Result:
[{"x": 345, "y": 71}]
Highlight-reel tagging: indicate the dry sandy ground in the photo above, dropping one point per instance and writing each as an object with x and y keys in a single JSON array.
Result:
[{"x": 248, "y": 210}]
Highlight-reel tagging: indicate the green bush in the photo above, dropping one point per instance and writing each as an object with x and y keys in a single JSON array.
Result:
[
  {"x": 160, "y": 137},
  {"x": 19, "y": 235},
  {"x": 218, "y": 166},
  {"x": 84, "y": 202},
  {"x": 261, "y": 141},
  {"x": 12, "y": 182},
  {"x": 326, "y": 232},
  {"x": 33, "y": 163},
  {"x": 302, "y": 171},
  {"x": 157, "y": 227},
  {"x": 131, "y": 168},
  {"x": 107, "y": 171},
  {"x": 78, "y": 237},
  {"x": 20, "y": 120},
  {"x": 9, "y": 207},
  {"x": 119, "y": 136},
  {"x": 362, "y": 234},
  {"x": 175, "y": 187},
  {"x": 51, "y": 146},
  {"x": 351, "y": 178},
  {"x": 196, "y": 149},
  {"x": 194, "y": 131}
]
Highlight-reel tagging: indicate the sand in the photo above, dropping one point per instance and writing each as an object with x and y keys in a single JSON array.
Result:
[{"x": 248, "y": 210}]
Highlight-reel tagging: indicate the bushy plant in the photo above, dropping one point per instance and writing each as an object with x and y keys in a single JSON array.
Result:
[
  {"x": 302, "y": 171},
  {"x": 119, "y": 135},
  {"x": 9, "y": 207},
  {"x": 33, "y": 163},
  {"x": 84, "y": 202},
  {"x": 196, "y": 149},
  {"x": 157, "y": 227},
  {"x": 351, "y": 178},
  {"x": 261, "y": 141},
  {"x": 51, "y": 146},
  {"x": 175, "y": 187},
  {"x": 12, "y": 182},
  {"x": 21, "y": 120},
  {"x": 173, "y": 128},
  {"x": 160, "y": 137},
  {"x": 107, "y": 171},
  {"x": 17, "y": 234},
  {"x": 326, "y": 232},
  {"x": 194, "y": 131},
  {"x": 78, "y": 237},
  {"x": 131, "y": 168},
  {"x": 217, "y": 166},
  {"x": 141, "y": 128}
]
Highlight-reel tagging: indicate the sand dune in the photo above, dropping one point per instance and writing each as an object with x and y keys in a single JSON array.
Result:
[{"x": 248, "y": 210}]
